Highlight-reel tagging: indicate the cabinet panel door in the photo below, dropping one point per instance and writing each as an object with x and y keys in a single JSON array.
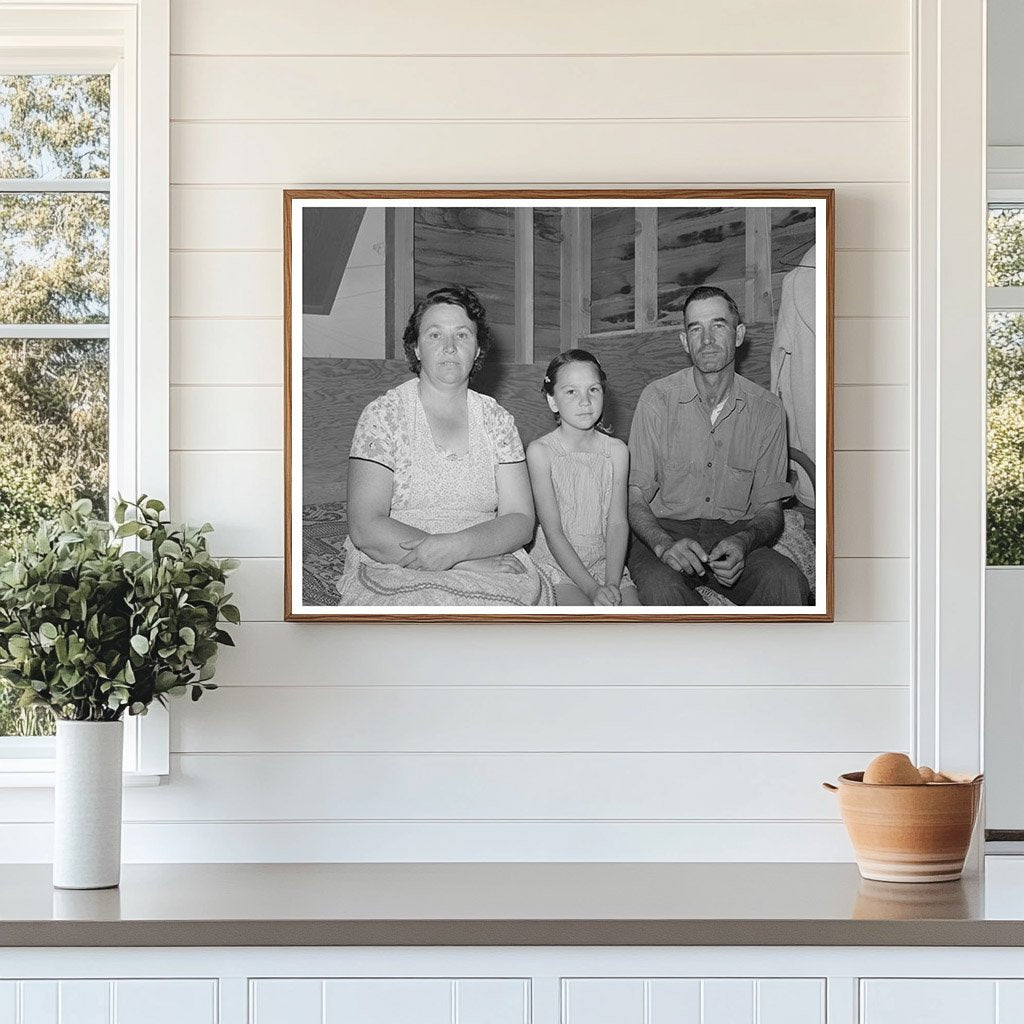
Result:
[
  {"x": 286, "y": 1001},
  {"x": 603, "y": 1001},
  {"x": 387, "y": 1001},
  {"x": 928, "y": 1001},
  {"x": 694, "y": 1001},
  {"x": 1010, "y": 1002},
  {"x": 148, "y": 1001},
  {"x": 675, "y": 1000},
  {"x": 791, "y": 1001},
  {"x": 492, "y": 1001},
  {"x": 38, "y": 1002},
  {"x": 8, "y": 1002},
  {"x": 84, "y": 1002}
]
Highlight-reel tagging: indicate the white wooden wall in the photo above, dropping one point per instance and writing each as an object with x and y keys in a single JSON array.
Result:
[{"x": 602, "y": 742}]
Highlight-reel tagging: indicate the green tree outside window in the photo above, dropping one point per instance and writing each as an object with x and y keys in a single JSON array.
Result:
[
  {"x": 54, "y": 278},
  {"x": 1005, "y": 477}
]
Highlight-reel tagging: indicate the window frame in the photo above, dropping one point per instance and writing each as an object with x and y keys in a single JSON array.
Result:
[{"x": 130, "y": 41}]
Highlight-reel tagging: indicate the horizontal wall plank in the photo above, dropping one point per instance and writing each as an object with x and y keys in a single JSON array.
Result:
[
  {"x": 872, "y": 589},
  {"x": 212, "y": 418},
  {"x": 241, "y": 493},
  {"x": 239, "y": 418},
  {"x": 872, "y": 418},
  {"x": 873, "y": 283},
  {"x": 797, "y": 654},
  {"x": 738, "y": 152},
  {"x": 867, "y": 589},
  {"x": 416, "y": 787},
  {"x": 258, "y": 586},
  {"x": 227, "y": 351},
  {"x": 599, "y": 719},
  {"x": 233, "y": 284},
  {"x": 328, "y": 842},
  {"x": 534, "y": 26},
  {"x": 238, "y": 217},
  {"x": 868, "y": 216},
  {"x": 539, "y": 88},
  {"x": 872, "y": 351},
  {"x": 873, "y": 504}
]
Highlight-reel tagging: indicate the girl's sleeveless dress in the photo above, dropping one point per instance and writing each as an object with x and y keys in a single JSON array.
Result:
[
  {"x": 437, "y": 492},
  {"x": 583, "y": 488}
]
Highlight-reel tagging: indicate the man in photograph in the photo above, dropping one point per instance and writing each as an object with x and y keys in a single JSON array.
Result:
[{"x": 708, "y": 474}]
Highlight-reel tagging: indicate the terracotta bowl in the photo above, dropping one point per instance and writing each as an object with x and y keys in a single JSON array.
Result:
[{"x": 909, "y": 833}]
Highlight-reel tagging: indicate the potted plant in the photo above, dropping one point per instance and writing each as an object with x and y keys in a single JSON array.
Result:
[{"x": 93, "y": 631}]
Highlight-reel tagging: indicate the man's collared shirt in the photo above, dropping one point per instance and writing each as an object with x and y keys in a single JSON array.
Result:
[{"x": 687, "y": 468}]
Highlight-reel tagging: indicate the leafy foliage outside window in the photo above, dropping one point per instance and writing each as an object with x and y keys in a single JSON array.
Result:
[
  {"x": 1005, "y": 477},
  {"x": 54, "y": 271}
]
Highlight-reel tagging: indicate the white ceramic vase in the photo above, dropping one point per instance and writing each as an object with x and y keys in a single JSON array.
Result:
[{"x": 87, "y": 805}]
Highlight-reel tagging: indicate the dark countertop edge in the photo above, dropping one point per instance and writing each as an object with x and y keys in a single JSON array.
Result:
[{"x": 511, "y": 933}]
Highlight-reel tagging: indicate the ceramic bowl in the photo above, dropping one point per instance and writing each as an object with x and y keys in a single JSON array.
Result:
[{"x": 909, "y": 833}]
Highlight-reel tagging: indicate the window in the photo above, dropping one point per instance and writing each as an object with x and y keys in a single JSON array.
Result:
[
  {"x": 1005, "y": 477},
  {"x": 84, "y": 124},
  {"x": 54, "y": 309}
]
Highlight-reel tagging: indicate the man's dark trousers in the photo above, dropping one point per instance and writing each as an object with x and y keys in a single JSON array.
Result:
[{"x": 768, "y": 578}]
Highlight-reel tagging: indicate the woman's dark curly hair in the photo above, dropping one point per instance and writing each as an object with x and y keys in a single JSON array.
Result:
[{"x": 449, "y": 295}]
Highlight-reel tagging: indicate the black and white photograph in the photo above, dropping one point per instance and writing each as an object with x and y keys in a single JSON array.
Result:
[{"x": 558, "y": 405}]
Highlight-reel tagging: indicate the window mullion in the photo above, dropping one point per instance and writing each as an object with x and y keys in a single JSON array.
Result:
[
  {"x": 54, "y": 185},
  {"x": 63, "y": 332}
]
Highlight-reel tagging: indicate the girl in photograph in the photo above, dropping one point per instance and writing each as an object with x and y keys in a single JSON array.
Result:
[{"x": 579, "y": 476}]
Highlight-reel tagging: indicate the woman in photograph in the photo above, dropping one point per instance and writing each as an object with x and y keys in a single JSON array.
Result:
[{"x": 439, "y": 499}]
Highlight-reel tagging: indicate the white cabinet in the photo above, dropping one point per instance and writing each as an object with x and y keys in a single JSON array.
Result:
[
  {"x": 101, "y": 1001},
  {"x": 389, "y": 1001},
  {"x": 942, "y": 1001},
  {"x": 693, "y": 1001}
]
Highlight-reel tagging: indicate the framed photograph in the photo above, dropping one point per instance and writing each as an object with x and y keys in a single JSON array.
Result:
[{"x": 558, "y": 405}]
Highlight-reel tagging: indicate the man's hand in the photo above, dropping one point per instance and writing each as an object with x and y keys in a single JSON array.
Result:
[
  {"x": 430, "y": 553},
  {"x": 727, "y": 559},
  {"x": 606, "y": 595},
  {"x": 685, "y": 556}
]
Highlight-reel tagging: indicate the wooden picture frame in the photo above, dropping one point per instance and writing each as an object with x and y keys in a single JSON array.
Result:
[{"x": 605, "y": 270}]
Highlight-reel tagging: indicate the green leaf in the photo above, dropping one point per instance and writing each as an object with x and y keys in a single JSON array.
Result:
[
  {"x": 140, "y": 644},
  {"x": 188, "y": 634},
  {"x": 18, "y": 646},
  {"x": 49, "y": 631},
  {"x": 170, "y": 549},
  {"x": 231, "y": 613}
]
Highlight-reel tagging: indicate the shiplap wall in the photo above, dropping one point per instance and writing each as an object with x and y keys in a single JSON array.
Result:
[{"x": 595, "y": 742}]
